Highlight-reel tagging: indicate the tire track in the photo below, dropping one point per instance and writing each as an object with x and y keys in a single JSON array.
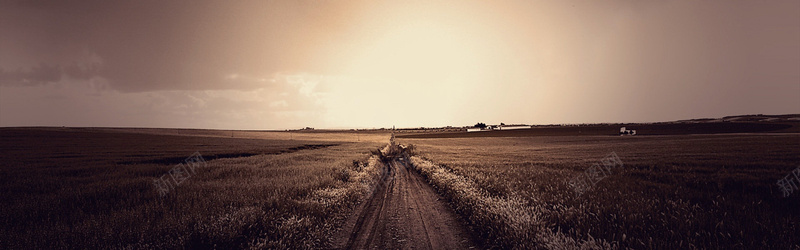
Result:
[{"x": 404, "y": 212}]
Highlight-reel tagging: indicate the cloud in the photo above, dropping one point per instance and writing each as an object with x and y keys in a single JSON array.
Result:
[
  {"x": 276, "y": 105},
  {"x": 36, "y": 75},
  {"x": 165, "y": 45},
  {"x": 46, "y": 73}
]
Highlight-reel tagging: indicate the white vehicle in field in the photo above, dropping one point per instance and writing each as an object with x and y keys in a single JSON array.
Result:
[{"x": 623, "y": 131}]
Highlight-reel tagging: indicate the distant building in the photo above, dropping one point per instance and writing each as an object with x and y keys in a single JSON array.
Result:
[
  {"x": 498, "y": 127},
  {"x": 624, "y": 131},
  {"x": 512, "y": 127}
]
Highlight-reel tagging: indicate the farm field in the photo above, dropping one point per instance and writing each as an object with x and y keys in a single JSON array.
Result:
[
  {"x": 372, "y": 135},
  {"x": 669, "y": 128},
  {"x": 670, "y": 192},
  {"x": 94, "y": 188}
]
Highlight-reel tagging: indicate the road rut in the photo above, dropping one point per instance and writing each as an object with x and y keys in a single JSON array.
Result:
[{"x": 404, "y": 212}]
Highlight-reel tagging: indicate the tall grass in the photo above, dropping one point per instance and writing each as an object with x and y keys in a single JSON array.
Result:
[
  {"x": 506, "y": 221},
  {"x": 73, "y": 193},
  {"x": 673, "y": 192}
]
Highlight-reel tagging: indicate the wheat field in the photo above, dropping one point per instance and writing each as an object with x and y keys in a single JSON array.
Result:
[{"x": 674, "y": 192}]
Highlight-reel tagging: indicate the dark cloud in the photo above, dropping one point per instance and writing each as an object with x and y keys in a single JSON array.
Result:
[
  {"x": 164, "y": 45},
  {"x": 279, "y": 104},
  {"x": 46, "y": 73},
  {"x": 36, "y": 75}
]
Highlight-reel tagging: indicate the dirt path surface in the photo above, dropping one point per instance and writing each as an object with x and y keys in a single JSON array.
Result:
[{"x": 404, "y": 212}]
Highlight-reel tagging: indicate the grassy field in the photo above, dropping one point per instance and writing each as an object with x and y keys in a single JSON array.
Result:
[
  {"x": 670, "y": 192},
  {"x": 373, "y": 135},
  {"x": 673, "y": 128},
  {"x": 93, "y": 188}
]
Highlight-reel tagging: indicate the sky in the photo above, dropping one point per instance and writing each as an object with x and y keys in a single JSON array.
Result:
[{"x": 371, "y": 64}]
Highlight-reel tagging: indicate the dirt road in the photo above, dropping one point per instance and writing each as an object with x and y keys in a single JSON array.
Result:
[{"x": 404, "y": 213}]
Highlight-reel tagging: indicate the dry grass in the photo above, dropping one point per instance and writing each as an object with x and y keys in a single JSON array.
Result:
[
  {"x": 72, "y": 192},
  {"x": 508, "y": 219},
  {"x": 712, "y": 191}
]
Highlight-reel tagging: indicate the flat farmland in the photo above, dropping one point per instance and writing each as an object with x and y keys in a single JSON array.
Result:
[
  {"x": 670, "y": 192},
  {"x": 94, "y": 188},
  {"x": 99, "y": 188},
  {"x": 671, "y": 128}
]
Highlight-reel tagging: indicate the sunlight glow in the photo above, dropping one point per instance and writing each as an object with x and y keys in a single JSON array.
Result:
[{"x": 418, "y": 50}]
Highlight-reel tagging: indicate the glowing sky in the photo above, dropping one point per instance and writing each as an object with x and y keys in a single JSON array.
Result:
[{"x": 342, "y": 64}]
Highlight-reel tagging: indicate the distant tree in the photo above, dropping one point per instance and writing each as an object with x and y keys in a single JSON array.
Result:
[
  {"x": 480, "y": 125},
  {"x": 502, "y": 124}
]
